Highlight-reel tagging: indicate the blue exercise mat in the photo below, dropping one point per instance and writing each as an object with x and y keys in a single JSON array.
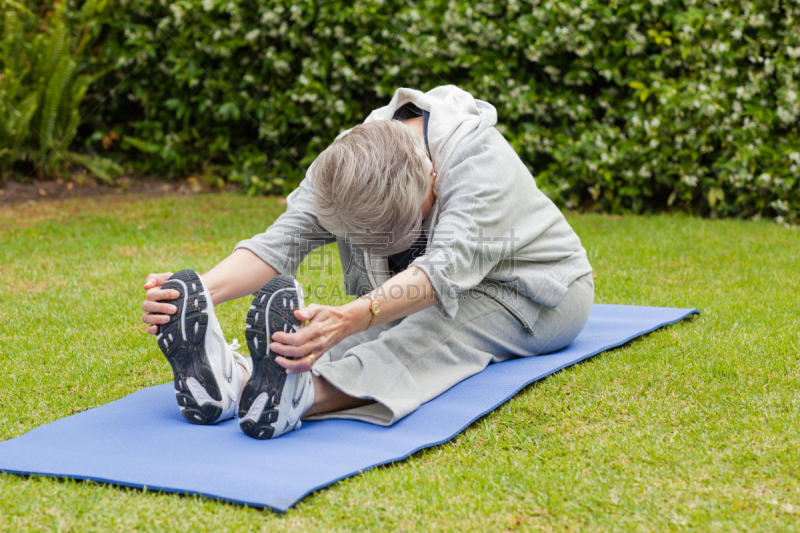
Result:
[{"x": 143, "y": 441}]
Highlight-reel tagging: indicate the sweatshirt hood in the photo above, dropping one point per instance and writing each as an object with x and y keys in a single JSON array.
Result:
[{"x": 455, "y": 118}]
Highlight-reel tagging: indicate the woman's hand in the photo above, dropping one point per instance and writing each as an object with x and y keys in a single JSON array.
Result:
[
  {"x": 156, "y": 313},
  {"x": 327, "y": 326}
]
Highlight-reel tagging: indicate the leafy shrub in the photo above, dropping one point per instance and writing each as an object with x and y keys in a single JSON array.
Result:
[
  {"x": 624, "y": 106},
  {"x": 41, "y": 86}
]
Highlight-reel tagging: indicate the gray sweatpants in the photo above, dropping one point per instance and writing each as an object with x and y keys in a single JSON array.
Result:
[{"x": 405, "y": 363}]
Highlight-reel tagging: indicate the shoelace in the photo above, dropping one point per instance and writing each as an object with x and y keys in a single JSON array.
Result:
[{"x": 241, "y": 359}]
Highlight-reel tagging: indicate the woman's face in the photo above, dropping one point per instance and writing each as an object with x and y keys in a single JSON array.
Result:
[{"x": 430, "y": 196}]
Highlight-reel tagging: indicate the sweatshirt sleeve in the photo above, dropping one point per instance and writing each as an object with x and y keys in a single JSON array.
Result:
[
  {"x": 296, "y": 233},
  {"x": 469, "y": 236}
]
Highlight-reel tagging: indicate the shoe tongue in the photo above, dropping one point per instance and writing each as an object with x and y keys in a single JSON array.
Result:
[{"x": 246, "y": 362}]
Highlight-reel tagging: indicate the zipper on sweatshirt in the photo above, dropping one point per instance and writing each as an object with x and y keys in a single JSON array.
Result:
[{"x": 525, "y": 326}]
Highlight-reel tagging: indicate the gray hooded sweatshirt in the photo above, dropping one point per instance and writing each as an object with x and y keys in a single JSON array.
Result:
[{"x": 490, "y": 228}]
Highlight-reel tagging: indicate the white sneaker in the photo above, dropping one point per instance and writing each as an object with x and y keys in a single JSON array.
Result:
[
  {"x": 207, "y": 378},
  {"x": 272, "y": 401}
]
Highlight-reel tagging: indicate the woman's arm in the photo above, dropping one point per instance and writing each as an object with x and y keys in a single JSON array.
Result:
[
  {"x": 406, "y": 293},
  {"x": 239, "y": 274},
  {"x": 284, "y": 244}
]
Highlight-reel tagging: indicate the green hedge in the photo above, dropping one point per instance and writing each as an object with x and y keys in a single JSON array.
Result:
[{"x": 624, "y": 106}]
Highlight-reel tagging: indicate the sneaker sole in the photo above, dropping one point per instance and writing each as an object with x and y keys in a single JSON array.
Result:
[
  {"x": 272, "y": 310},
  {"x": 182, "y": 341}
]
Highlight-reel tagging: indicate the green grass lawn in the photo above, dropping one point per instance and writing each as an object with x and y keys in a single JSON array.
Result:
[{"x": 694, "y": 427}]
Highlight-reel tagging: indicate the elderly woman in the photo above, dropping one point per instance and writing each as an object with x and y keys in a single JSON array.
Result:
[{"x": 456, "y": 257}]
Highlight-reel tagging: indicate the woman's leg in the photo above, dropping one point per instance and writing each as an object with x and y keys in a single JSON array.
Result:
[
  {"x": 329, "y": 398},
  {"x": 413, "y": 361},
  {"x": 420, "y": 358},
  {"x": 555, "y": 328}
]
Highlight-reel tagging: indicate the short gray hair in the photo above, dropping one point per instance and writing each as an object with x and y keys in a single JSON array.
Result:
[{"x": 370, "y": 184}]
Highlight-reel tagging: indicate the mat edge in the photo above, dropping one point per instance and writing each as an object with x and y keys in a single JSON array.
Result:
[{"x": 151, "y": 488}]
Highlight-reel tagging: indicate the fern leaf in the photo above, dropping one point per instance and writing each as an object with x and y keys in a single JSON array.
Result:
[
  {"x": 21, "y": 126},
  {"x": 58, "y": 47},
  {"x": 100, "y": 167},
  {"x": 56, "y": 90}
]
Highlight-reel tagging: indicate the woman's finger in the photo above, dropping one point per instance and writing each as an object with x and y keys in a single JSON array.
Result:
[
  {"x": 157, "y": 294},
  {"x": 295, "y": 366},
  {"x": 308, "y": 313},
  {"x": 294, "y": 351},
  {"x": 158, "y": 307},
  {"x": 156, "y": 280},
  {"x": 157, "y": 320},
  {"x": 299, "y": 338}
]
